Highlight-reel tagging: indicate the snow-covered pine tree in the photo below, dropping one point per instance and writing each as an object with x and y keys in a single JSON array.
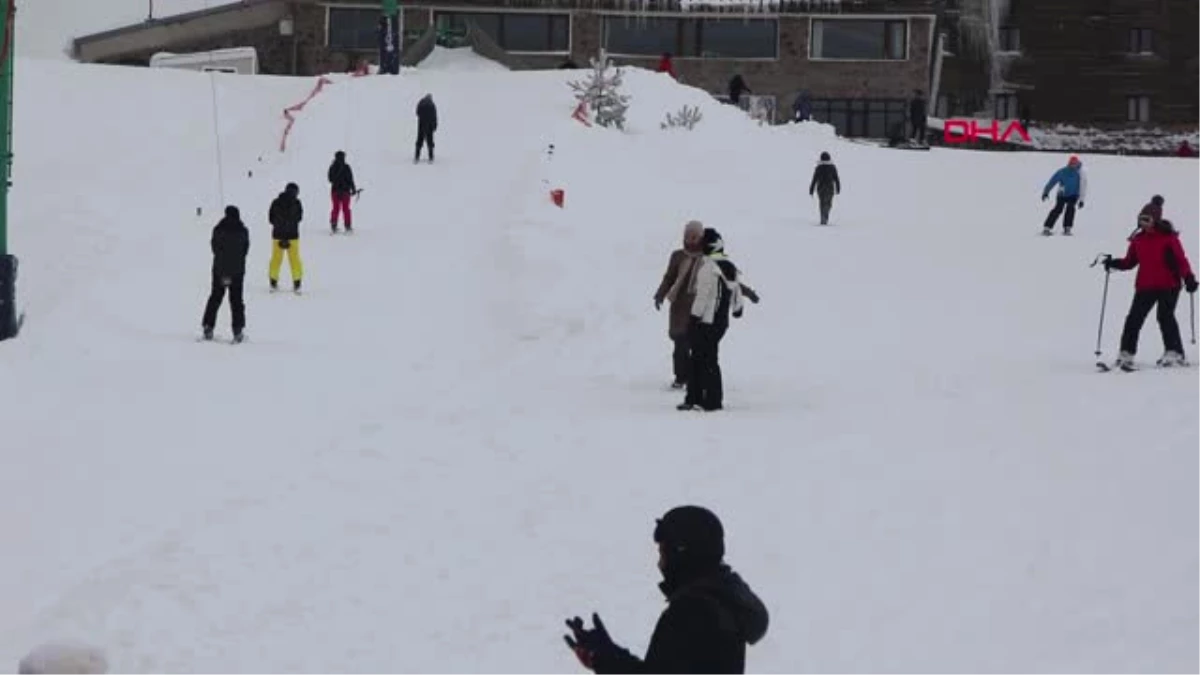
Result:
[
  {"x": 601, "y": 92},
  {"x": 687, "y": 118}
]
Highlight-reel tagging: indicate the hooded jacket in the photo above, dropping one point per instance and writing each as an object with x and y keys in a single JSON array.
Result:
[
  {"x": 341, "y": 177},
  {"x": 708, "y": 622},
  {"x": 230, "y": 243},
  {"x": 718, "y": 290},
  {"x": 285, "y": 216},
  {"x": 427, "y": 113},
  {"x": 1159, "y": 258},
  {"x": 825, "y": 178},
  {"x": 1071, "y": 180}
]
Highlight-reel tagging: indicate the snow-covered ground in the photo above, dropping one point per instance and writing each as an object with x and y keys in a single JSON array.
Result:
[{"x": 460, "y": 435}]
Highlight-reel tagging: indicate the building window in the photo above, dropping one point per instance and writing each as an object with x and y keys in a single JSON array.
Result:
[
  {"x": 1010, "y": 39},
  {"x": 686, "y": 37},
  {"x": 1141, "y": 41},
  {"x": 517, "y": 32},
  {"x": 352, "y": 28},
  {"x": 1005, "y": 107},
  {"x": 858, "y": 40},
  {"x": 1137, "y": 108},
  {"x": 858, "y": 118}
]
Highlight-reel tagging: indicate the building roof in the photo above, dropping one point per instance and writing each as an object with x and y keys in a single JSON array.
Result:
[{"x": 156, "y": 34}]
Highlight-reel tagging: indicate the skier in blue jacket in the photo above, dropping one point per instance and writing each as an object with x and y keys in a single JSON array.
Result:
[{"x": 1072, "y": 187}]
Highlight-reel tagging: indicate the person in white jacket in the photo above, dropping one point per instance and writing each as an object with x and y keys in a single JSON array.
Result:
[{"x": 718, "y": 294}]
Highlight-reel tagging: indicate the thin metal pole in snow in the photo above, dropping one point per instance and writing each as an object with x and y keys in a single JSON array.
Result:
[{"x": 212, "y": 78}]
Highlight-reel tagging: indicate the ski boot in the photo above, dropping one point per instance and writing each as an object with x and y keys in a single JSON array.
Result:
[
  {"x": 239, "y": 337},
  {"x": 1046, "y": 232},
  {"x": 1172, "y": 359},
  {"x": 208, "y": 332},
  {"x": 296, "y": 287},
  {"x": 274, "y": 285},
  {"x": 1125, "y": 362},
  {"x": 1066, "y": 231}
]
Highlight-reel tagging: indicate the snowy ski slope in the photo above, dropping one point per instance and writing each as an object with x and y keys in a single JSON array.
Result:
[{"x": 461, "y": 434}]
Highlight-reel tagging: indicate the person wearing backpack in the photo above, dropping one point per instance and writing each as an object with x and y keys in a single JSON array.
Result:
[{"x": 711, "y": 614}]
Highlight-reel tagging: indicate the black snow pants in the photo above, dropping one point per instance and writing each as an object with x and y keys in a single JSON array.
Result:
[
  {"x": 1143, "y": 302},
  {"x": 424, "y": 135},
  {"x": 825, "y": 199},
  {"x": 1060, "y": 203},
  {"x": 705, "y": 387},
  {"x": 681, "y": 359},
  {"x": 237, "y": 305}
]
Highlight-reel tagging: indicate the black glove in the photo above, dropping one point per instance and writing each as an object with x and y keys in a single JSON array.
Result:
[
  {"x": 1081, "y": 204},
  {"x": 587, "y": 643},
  {"x": 657, "y": 303},
  {"x": 1189, "y": 282},
  {"x": 284, "y": 244},
  {"x": 1109, "y": 263},
  {"x": 1045, "y": 197},
  {"x": 737, "y": 313}
]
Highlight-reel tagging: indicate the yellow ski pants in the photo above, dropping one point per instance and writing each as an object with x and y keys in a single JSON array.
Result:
[{"x": 293, "y": 256}]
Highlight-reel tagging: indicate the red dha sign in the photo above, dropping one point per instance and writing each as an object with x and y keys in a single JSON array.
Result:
[{"x": 968, "y": 131}]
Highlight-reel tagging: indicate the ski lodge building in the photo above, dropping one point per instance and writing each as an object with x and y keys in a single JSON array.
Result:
[{"x": 1108, "y": 64}]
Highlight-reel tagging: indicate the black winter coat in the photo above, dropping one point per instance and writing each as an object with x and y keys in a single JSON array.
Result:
[
  {"x": 230, "y": 244},
  {"x": 825, "y": 178},
  {"x": 341, "y": 178},
  {"x": 427, "y": 114},
  {"x": 285, "y": 216},
  {"x": 705, "y": 629}
]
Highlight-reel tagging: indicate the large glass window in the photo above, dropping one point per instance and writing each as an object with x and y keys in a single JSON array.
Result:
[
  {"x": 353, "y": 28},
  {"x": 688, "y": 37},
  {"x": 870, "y": 118},
  {"x": 643, "y": 36},
  {"x": 858, "y": 40},
  {"x": 514, "y": 31}
]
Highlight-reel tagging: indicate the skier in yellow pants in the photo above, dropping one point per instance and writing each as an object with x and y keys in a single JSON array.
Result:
[{"x": 285, "y": 216}]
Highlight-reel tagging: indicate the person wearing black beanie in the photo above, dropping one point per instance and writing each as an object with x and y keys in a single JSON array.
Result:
[
  {"x": 230, "y": 243},
  {"x": 711, "y": 612}
]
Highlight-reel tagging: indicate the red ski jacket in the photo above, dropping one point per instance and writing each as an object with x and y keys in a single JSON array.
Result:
[{"x": 1158, "y": 255}]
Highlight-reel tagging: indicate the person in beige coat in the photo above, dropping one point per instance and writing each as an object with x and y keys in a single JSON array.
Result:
[{"x": 676, "y": 288}]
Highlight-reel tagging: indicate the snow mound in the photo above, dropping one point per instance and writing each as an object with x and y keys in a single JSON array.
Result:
[
  {"x": 458, "y": 59},
  {"x": 63, "y": 657}
]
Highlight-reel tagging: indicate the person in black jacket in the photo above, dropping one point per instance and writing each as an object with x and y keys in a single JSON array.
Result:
[
  {"x": 826, "y": 183},
  {"x": 285, "y": 216},
  {"x": 916, "y": 114},
  {"x": 427, "y": 123},
  {"x": 342, "y": 188},
  {"x": 230, "y": 244},
  {"x": 711, "y": 613}
]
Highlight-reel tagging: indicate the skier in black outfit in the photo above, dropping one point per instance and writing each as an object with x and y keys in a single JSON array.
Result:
[
  {"x": 230, "y": 244},
  {"x": 718, "y": 293},
  {"x": 711, "y": 613},
  {"x": 827, "y": 184},
  {"x": 342, "y": 188},
  {"x": 427, "y": 123}
]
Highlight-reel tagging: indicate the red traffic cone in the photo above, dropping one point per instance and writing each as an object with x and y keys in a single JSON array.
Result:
[{"x": 557, "y": 196}]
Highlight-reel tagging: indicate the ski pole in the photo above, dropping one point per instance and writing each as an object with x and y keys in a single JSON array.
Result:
[
  {"x": 1192, "y": 314},
  {"x": 1103, "y": 305}
]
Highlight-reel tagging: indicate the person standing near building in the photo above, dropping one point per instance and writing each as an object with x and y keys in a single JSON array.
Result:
[
  {"x": 711, "y": 615},
  {"x": 230, "y": 243},
  {"x": 917, "y": 114},
  {"x": 285, "y": 215},
  {"x": 1072, "y": 187},
  {"x": 427, "y": 122},
  {"x": 826, "y": 183},
  {"x": 342, "y": 188}
]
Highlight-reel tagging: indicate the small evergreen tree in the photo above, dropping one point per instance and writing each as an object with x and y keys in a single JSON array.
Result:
[
  {"x": 687, "y": 117},
  {"x": 601, "y": 92}
]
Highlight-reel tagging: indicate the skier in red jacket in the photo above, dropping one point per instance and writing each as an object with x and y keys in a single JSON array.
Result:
[{"x": 1162, "y": 264}]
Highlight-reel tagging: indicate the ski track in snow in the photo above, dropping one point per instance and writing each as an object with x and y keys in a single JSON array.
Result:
[{"x": 460, "y": 434}]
